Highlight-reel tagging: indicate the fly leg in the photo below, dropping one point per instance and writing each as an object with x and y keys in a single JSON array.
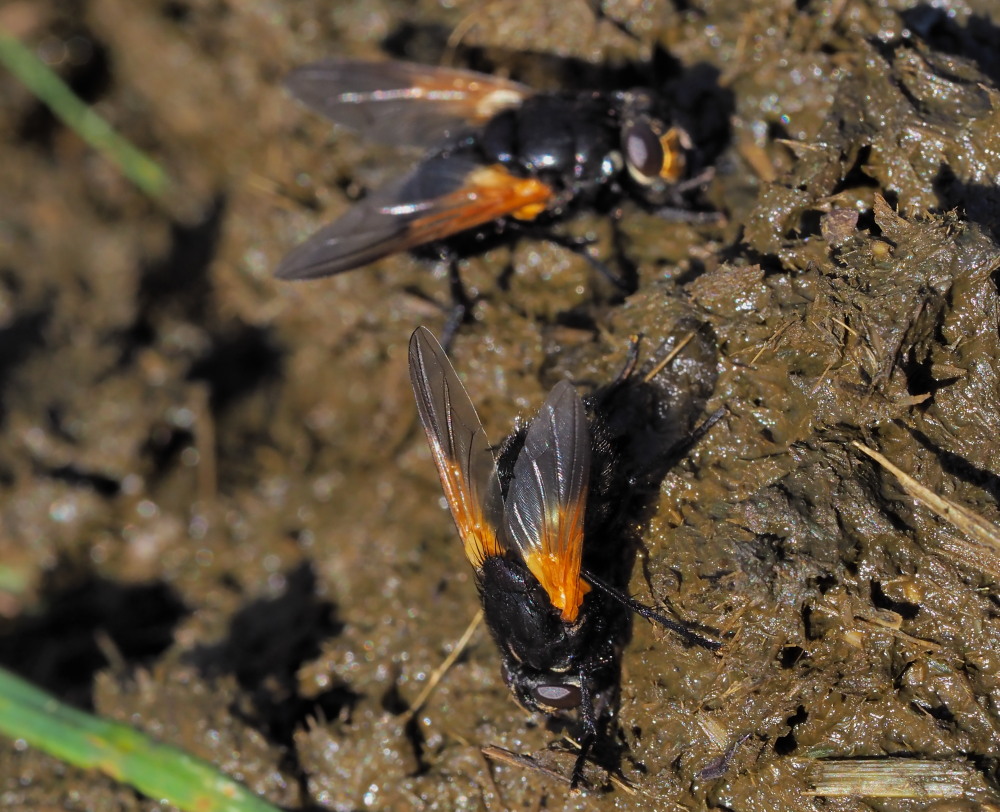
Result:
[
  {"x": 461, "y": 302},
  {"x": 677, "y": 211},
  {"x": 683, "y": 630},
  {"x": 459, "y": 310},
  {"x": 626, "y": 282},
  {"x": 589, "y": 718},
  {"x": 597, "y": 9}
]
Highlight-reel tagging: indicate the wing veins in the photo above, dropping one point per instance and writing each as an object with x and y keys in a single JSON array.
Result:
[
  {"x": 546, "y": 500},
  {"x": 461, "y": 453}
]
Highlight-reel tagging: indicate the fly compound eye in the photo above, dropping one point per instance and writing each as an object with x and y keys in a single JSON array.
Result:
[
  {"x": 643, "y": 151},
  {"x": 653, "y": 155},
  {"x": 560, "y": 697}
]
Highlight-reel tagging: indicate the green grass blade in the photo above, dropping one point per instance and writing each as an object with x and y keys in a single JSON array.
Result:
[
  {"x": 157, "y": 770},
  {"x": 138, "y": 167}
]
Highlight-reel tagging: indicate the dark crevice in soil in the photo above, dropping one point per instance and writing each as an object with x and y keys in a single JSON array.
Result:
[
  {"x": 24, "y": 335},
  {"x": 238, "y": 362},
  {"x": 179, "y": 282},
  {"x": 77, "y": 476},
  {"x": 978, "y": 40},
  {"x": 59, "y": 648},
  {"x": 904, "y": 609},
  {"x": 269, "y": 640},
  {"x": 785, "y": 745},
  {"x": 790, "y": 656},
  {"x": 959, "y": 467},
  {"x": 978, "y": 202}
]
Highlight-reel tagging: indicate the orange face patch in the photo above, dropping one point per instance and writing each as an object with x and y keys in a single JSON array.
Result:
[{"x": 674, "y": 161}]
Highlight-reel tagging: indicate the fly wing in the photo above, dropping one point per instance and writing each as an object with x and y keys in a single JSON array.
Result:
[
  {"x": 547, "y": 498},
  {"x": 403, "y": 103},
  {"x": 444, "y": 195},
  {"x": 463, "y": 457}
]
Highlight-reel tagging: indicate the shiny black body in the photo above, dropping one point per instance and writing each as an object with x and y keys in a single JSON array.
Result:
[
  {"x": 537, "y": 648},
  {"x": 570, "y": 142}
]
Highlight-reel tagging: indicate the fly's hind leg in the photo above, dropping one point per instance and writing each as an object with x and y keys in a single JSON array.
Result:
[
  {"x": 626, "y": 281},
  {"x": 589, "y": 718},
  {"x": 461, "y": 302},
  {"x": 459, "y": 310}
]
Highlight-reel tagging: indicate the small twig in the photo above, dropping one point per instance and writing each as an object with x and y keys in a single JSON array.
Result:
[
  {"x": 925, "y": 645},
  {"x": 970, "y": 523},
  {"x": 894, "y": 778},
  {"x": 526, "y": 762},
  {"x": 442, "y": 669},
  {"x": 656, "y": 370}
]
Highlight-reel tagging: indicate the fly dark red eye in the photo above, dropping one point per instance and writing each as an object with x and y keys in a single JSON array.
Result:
[
  {"x": 561, "y": 697},
  {"x": 643, "y": 151},
  {"x": 651, "y": 154}
]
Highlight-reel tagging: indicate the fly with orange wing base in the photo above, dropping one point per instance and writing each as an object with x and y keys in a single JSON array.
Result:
[
  {"x": 499, "y": 153},
  {"x": 539, "y": 525}
]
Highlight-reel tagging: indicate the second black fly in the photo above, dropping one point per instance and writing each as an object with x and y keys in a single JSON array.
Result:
[{"x": 499, "y": 154}]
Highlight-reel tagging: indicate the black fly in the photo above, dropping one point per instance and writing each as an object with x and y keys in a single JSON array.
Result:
[
  {"x": 543, "y": 525},
  {"x": 498, "y": 153}
]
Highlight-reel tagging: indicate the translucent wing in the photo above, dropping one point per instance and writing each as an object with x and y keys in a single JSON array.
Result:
[
  {"x": 547, "y": 498},
  {"x": 403, "y": 103},
  {"x": 463, "y": 457},
  {"x": 444, "y": 195}
]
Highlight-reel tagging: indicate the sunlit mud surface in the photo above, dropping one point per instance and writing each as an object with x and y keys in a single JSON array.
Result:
[{"x": 220, "y": 522}]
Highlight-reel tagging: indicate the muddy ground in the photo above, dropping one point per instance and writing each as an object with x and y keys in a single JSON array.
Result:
[{"x": 220, "y": 522}]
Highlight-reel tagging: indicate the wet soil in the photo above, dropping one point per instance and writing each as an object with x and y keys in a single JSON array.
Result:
[{"x": 219, "y": 519}]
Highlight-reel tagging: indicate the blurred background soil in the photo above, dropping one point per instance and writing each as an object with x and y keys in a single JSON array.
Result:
[{"x": 220, "y": 522}]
